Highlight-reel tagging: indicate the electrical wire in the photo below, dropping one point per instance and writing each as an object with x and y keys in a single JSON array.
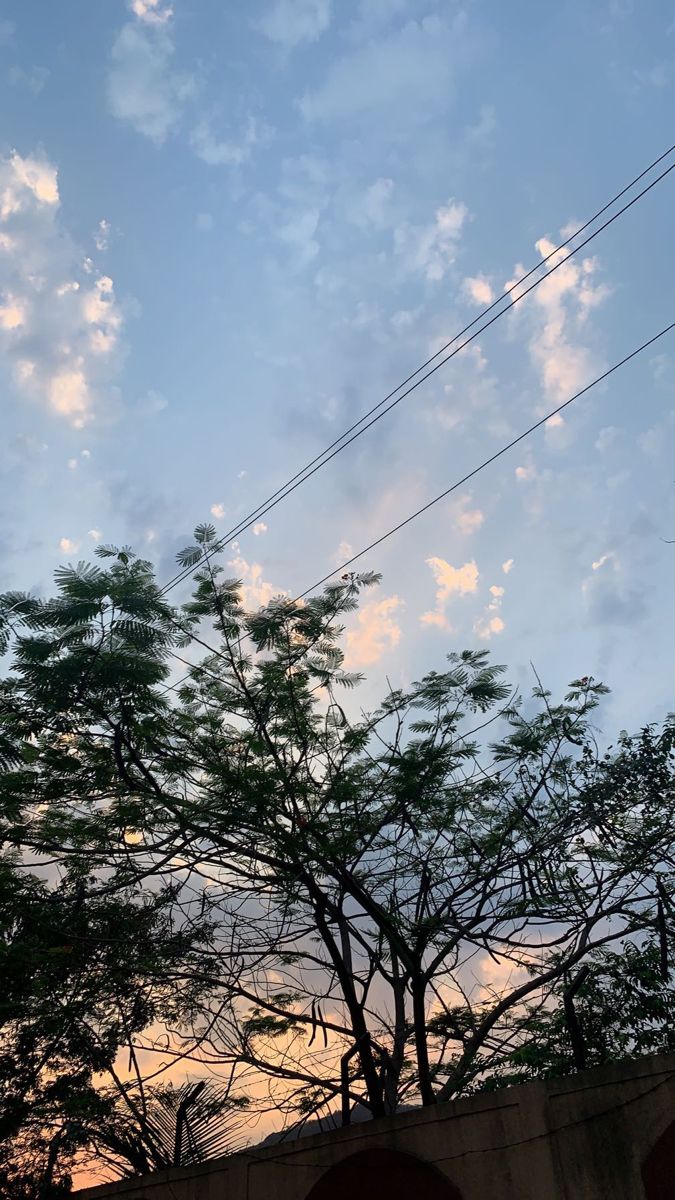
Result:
[
  {"x": 340, "y": 443},
  {"x": 452, "y": 488},
  {"x": 488, "y": 461}
]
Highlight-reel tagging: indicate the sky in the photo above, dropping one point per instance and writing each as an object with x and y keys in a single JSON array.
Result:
[{"x": 229, "y": 229}]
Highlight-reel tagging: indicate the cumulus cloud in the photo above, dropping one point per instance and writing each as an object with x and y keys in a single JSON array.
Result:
[
  {"x": 218, "y": 511},
  {"x": 610, "y": 597},
  {"x": 557, "y": 311},
  {"x": 439, "y": 619},
  {"x": 490, "y": 622},
  {"x": 468, "y": 520},
  {"x": 259, "y": 528},
  {"x": 453, "y": 580},
  {"x": 394, "y": 80},
  {"x": 34, "y": 78},
  {"x": 600, "y": 562},
  {"x": 293, "y": 216},
  {"x": 507, "y": 566},
  {"x": 373, "y": 205},
  {"x": 479, "y": 289},
  {"x": 450, "y": 581},
  {"x": 256, "y": 591},
  {"x": 485, "y": 627},
  {"x": 431, "y": 249},
  {"x": 526, "y": 474},
  {"x": 59, "y": 320},
  {"x": 290, "y": 22},
  {"x": 94, "y": 534},
  {"x": 343, "y": 553},
  {"x": 152, "y": 402},
  {"x": 376, "y": 632},
  {"x": 102, "y": 236},
  {"x": 226, "y": 152},
  {"x": 68, "y": 546},
  {"x": 143, "y": 87},
  {"x": 607, "y": 438},
  {"x": 153, "y": 12}
]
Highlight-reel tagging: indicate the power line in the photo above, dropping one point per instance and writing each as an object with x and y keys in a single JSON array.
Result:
[
  {"x": 340, "y": 443},
  {"x": 488, "y": 461},
  {"x": 453, "y": 487}
]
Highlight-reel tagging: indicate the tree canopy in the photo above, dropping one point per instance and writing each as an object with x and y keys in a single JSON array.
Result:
[{"x": 375, "y": 908}]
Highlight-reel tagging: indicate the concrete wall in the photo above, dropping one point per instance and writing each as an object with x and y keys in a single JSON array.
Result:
[{"x": 585, "y": 1137}]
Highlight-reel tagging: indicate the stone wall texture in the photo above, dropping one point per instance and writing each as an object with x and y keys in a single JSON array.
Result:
[{"x": 605, "y": 1134}]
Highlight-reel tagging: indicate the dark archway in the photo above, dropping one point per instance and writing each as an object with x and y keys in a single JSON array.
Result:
[
  {"x": 387, "y": 1173},
  {"x": 658, "y": 1169}
]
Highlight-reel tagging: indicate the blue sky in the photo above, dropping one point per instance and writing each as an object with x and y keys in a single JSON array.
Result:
[{"x": 226, "y": 230}]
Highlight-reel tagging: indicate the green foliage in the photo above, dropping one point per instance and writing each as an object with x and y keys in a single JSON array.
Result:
[
  {"x": 625, "y": 1008},
  {"x": 82, "y": 974},
  {"x": 362, "y": 876}
]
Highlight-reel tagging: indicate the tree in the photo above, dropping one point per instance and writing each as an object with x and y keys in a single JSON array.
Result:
[
  {"x": 86, "y": 962},
  {"x": 360, "y": 871},
  {"x": 81, "y": 976},
  {"x": 623, "y": 1007}
]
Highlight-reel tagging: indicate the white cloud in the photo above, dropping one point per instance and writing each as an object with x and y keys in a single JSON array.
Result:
[
  {"x": 557, "y": 312},
  {"x": 403, "y": 319},
  {"x": 600, "y": 562},
  {"x": 218, "y": 511},
  {"x": 226, "y": 152},
  {"x": 152, "y": 402},
  {"x": 450, "y": 581},
  {"x": 7, "y": 31},
  {"x": 526, "y": 474},
  {"x": 376, "y": 632},
  {"x": 613, "y": 594},
  {"x": 392, "y": 82},
  {"x": 344, "y": 552},
  {"x": 25, "y": 181},
  {"x": 507, "y": 566},
  {"x": 72, "y": 464},
  {"x": 486, "y": 627},
  {"x": 256, "y": 591},
  {"x": 469, "y": 521},
  {"x": 259, "y": 528},
  {"x": 651, "y": 442},
  {"x": 431, "y": 249},
  {"x": 294, "y": 214},
  {"x": 143, "y": 88},
  {"x": 453, "y": 580},
  {"x": 68, "y": 546},
  {"x": 434, "y": 617},
  {"x": 373, "y": 205},
  {"x": 34, "y": 78},
  {"x": 153, "y": 12},
  {"x": 491, "y": 623},
  {"x": 102, "y": 236},
  {"x": 94, "y": 534},
  {"x": 607, "y": 438},
  {"x": 479, "y": 289},
  {"x": 12, "y": 312},
  {"x": 373, "y": 15},
  {"x": 57, "y": 332},
  {"x": 298, "y": 232},
  {"x": 290, "y": 22}
]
